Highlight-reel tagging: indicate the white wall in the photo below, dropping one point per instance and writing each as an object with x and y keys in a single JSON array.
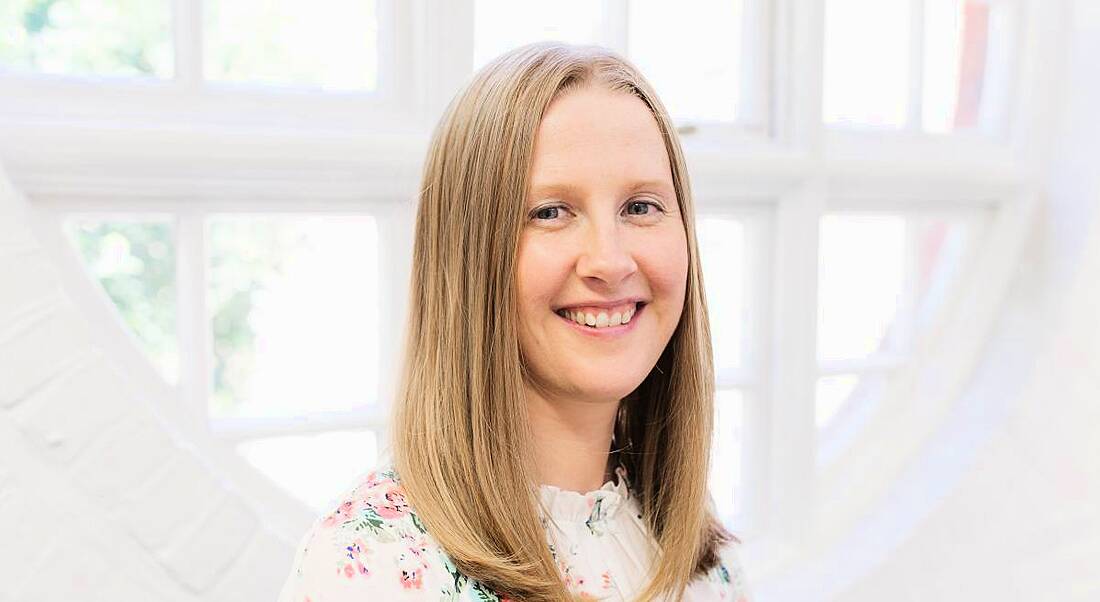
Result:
[
  {"x": 1022, "y": 521},
  {"x": 99, "y": 499}
]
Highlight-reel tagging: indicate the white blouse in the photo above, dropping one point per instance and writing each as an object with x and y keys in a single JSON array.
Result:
[{"x": 372, "y": 546}]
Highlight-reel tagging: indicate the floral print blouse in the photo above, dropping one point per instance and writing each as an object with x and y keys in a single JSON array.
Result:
[{"x": 372, "y": 546}]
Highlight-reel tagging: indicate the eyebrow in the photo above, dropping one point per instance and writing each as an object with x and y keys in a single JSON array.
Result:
[{"x": 571, "y": 190}]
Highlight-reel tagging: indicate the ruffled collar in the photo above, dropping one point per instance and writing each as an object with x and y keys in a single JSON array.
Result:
[{"x": 592, "y": 507}]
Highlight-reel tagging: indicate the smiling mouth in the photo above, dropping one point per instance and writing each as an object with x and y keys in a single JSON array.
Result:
[{"x": 598, "y": 318}]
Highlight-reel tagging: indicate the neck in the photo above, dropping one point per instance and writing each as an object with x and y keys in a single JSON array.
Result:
[{"x": 572, "y": 440}]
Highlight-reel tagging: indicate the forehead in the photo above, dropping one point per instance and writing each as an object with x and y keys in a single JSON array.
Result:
[{"x": 592, "y": 138}]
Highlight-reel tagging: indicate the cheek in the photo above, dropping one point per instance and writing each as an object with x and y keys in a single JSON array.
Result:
[
  {"x": 665, "y": 263},
  {"x": 541, "y": 271}
]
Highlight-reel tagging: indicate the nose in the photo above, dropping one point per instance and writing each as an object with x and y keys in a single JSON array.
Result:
[{"x": 605, "y": 259}]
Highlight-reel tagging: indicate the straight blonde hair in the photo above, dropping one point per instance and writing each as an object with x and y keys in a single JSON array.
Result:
[{"x": 461, "y": 439}]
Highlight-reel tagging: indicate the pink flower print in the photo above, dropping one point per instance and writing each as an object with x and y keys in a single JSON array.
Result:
[
  {"x": 412, "y": 563},
  {"x": 566, "y": 572},
  {"x": 341, "y": 515},
  {"x": 373, "y": 482},
  {"x": 355, "y": 553},
  {"x": 388, "y": 500},
  {"x": 412, "y": 580}
]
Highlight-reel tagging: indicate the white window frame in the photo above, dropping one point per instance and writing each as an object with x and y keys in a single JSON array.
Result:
[{"x": 72, "y": 146}]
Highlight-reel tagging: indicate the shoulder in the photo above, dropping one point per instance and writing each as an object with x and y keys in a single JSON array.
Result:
[
  {"x": 371, "y": 545},
  {"x": 729, "y": 574}
]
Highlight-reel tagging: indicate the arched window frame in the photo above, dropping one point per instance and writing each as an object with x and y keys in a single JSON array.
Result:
[{"x": 84, "y": 145}]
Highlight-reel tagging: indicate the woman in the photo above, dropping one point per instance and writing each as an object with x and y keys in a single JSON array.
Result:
[{"x": 557, "y": 340}]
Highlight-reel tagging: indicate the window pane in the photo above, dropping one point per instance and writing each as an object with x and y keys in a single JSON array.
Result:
[
  {"x": 851, "y": 396},
  {"x": 725, "y": 471},
  {"x": 134, "y": 259},
  {"x": 314, "y": 468},
  {"x": 500, "y": 25},
  {"x": 721, "y": 248},
  {"x": 885, "y": 278},
  {"x": 691, "y": 53},
  {"x": 89, "y": 37},
  {"x": 942, "y": 247},
  {"x": 861, "y": 266},
  {"x": 866, "y": 62},
  {"x": 832, "y": 393},
  {"x": 330, "y": 44},
  {"x": 965, "y": 47},
  {"x": 294, "y": 308}
]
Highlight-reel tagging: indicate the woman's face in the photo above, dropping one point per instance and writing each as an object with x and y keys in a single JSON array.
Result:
[{"x": 603, "y": 259}]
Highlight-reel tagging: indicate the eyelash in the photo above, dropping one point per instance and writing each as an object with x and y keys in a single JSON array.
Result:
[{"x": 535, "y": 212}]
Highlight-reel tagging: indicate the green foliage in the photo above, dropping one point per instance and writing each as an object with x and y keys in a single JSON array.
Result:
[
  {"x": 37, "y": 16},
  {"x": 326, "y": 45},
  {"x": 101, "y": 37},
  {"x": 135, "y": 262},
  {"x": 245, "y": 257}
]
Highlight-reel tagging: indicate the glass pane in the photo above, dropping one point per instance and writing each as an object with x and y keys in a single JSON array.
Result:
[
  {"x": 942, "y": 249},
  {"x": 884, "y": 278},
  {"x": 861, "y": 268},
  {"x": 87, "y": 37},
  {"x": 832, "y": 393},
  {"x": 134, "y": 259},
  {"x": 500, "y": 25},
  {"x": 866, "y": 80},
  {"x": 294, "y": 308},
  {"x": 691, "y": 53},
  {"x": 722, "y": 250},
  {"x": 314, "y": 468},
  {"x": 725, "y": 460},
  {"x": 851, "y": 398},
  {"x": 330, "y": 44},
  {"x": 965, "y": 42}
]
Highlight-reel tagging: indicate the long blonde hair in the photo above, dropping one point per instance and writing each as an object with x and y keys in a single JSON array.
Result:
[{"x": 461, "y": 438}]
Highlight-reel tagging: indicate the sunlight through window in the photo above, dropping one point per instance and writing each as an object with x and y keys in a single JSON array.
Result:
[{"x": 293, "y": 303}]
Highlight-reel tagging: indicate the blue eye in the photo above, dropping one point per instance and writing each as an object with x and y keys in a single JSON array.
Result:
[
  {"x": 643, "y": 204},
  {"x": 546, "y": 213},
  {"x": 635, "y": 208}
]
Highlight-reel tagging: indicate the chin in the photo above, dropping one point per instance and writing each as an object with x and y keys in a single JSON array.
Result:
[{"x": 595, "y": 384}]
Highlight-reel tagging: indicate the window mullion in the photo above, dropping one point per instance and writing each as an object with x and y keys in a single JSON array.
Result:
[
  {"x": 801, "y": 27},
  {"x": 792, "y": 444},
  {"x": 915, "y": 117},
  {"x": 192, "y": 326},
  {"x": 443, "y": 44},
  {"x": 395, "y": 246},
  {"x": 616, "y": 25},
  {"x": 752, "y": 500},
  {"x": 187, "y": 42},
  {"x": 915, "y": 226},
  {"x": 757, "y": 62}
]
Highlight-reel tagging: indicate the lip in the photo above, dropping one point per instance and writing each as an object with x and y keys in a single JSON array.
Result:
[
  {"x": 609, "y": 332},
  {"x": 603, "y": 304}
]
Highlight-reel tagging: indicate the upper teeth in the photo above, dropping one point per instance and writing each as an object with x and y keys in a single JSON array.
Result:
[{"x": 600, "y": 317}]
